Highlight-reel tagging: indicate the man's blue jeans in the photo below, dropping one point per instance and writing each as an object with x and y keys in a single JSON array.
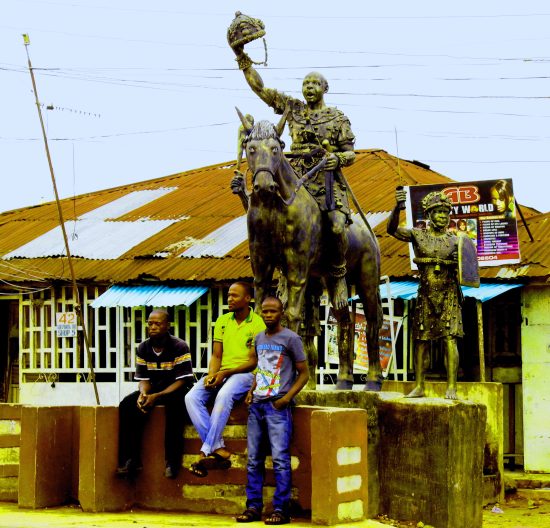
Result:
[
  {"x": 267, "y": 423},
  {"x": 210, "y": 426}
]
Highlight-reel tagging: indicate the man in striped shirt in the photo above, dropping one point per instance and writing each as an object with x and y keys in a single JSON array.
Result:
[{"x": 164, "y": 373}]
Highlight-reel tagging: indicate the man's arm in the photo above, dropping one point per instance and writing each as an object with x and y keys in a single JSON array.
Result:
[
  {"x": 147, "y": 400},
  {"x": 249, "y": 394},
  {"x": 393, "y": 228},
  {"x": 297, "y": 386},
  {"x": 251, "y": 75},
  {"x": 277, "y": 100},
  {"x": 219, "y": 376},
  {"x": 214, "y": 365}
]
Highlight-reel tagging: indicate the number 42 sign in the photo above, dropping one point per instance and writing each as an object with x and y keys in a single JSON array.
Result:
[{"x": 65, "y": 324}]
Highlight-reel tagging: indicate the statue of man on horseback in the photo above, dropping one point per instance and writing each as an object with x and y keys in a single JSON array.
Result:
[
  {"x": 317, "y": 131},
  {"x": 298, "y": 213}
]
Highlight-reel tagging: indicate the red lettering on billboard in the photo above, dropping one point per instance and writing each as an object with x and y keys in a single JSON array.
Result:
[{"x": 463, "y": 194}]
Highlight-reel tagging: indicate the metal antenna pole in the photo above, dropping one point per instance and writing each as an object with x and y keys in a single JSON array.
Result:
[{"x": 76, "y": 295}]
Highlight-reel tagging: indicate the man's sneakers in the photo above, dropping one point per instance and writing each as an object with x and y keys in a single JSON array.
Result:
[
  {"x": 171, "y": 471},
  {"x": 128, "y": 470}
]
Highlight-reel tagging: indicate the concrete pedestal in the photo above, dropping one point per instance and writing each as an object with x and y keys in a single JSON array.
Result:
[
  {"x": 491, "y": 395},
  {"x": 431, "y": 461},
  {"x": 47, "y": 465},
  {"x": 339, "y": 466},
  {"x": 98, "y": 488}
]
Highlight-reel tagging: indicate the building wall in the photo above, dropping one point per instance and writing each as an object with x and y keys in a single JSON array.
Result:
[
  {"x": 56, "y": 370},
  {"x": 535, "y": 337}
]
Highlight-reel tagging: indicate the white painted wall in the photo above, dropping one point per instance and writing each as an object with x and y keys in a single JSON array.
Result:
[
  {"x": 43, "y": 394},
  {"x": 535, "y": 345}
]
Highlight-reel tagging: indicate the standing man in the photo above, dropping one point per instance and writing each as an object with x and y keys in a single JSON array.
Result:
[
  {"x": 438, "y": 312},
  {"x": 317, "y": 131},
  {"x": 164, "y": 372},
  {"x": 281, "y": 374},
  {"x": 228, "y": 380}
]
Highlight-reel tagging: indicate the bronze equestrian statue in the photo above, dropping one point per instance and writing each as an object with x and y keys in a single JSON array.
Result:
[
  {"x": 285, "y": 232},
  {"x": 299, "y": 216},
  {"x": 317, "y": 131}
]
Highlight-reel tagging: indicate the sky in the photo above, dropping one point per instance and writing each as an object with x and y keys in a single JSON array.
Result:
[{"x": 138, "y": 90}]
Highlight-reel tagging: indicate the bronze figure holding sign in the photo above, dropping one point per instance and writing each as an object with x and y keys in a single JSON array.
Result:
[{"x": 438, "y": 313}]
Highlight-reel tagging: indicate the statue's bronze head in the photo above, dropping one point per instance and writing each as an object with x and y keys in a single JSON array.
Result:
[{"x": 436, "y": 199}]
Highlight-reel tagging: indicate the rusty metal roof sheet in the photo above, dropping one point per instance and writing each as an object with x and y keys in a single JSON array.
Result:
[{"x": 189, "y": 227}]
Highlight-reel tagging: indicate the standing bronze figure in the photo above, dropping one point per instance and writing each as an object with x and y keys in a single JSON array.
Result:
[{"x": 438, "y": 313}]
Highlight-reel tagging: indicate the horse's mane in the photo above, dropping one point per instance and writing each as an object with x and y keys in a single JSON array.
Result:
[
  {"x": 266, "y": 130},
  {"x": 263, "y": 130}
]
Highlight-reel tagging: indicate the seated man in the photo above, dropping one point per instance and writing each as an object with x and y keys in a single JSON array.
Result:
[
  {"x": 228, "y": 380},
  {"x": 164, "y": 372}
]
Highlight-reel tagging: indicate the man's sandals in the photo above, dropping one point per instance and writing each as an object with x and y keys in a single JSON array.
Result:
[
  {"x": 277, "y": 517},
  {"x": 213, "y": 461},
  {"x": 252, "y": 515},
  {"x": 249, "y": 515}
]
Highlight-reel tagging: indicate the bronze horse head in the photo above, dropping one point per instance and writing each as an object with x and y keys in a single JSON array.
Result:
[{"x": 264, "y": 152}]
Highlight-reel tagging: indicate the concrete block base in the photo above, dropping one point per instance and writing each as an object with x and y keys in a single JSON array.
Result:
[
  {"x": 491, "y": 395},
  {"x": 339, "y": 466},
  {"x": 46, "y": 465},
  {"x": 431, "y": 461}
]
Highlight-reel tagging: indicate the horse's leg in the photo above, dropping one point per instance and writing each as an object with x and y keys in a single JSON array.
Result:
[
  {"x": 311, "y": 354},
  {"x": 312, "y": 327},
  {"x": 372, "y": 306},
  {"x": 263, "y": 269},
  {"x": 296, "y": 285},
  {"x": 345, "y": 341}
]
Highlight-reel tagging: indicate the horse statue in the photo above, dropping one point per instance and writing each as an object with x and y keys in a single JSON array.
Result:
[{"x": 285, "y": 233}]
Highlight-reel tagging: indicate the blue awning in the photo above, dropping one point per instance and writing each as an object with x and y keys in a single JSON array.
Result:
[
  {"x": 407, "y": 290},
  {"x": 157, "y": 295}
]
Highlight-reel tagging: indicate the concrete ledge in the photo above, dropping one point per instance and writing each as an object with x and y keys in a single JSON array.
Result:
[
  {"x": 98, "y": 489},
  {"x": 10, "y": 411},
  {"x": 367, "y": 401},
  {"x": 46, "y": 456},
  {"x": 10, "y": 439},
  {"x": 431, "y": 461},
  {"x": 490, "y": 395},
  {"x": 339, "y": 465}
]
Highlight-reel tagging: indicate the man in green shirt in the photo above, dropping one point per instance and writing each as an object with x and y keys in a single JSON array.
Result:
[{"x": 228, "y": 380}]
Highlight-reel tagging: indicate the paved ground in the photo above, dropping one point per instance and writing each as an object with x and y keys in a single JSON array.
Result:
[
  {"x": 72, "y": 517},
  {"x": 517, "y": 512}
]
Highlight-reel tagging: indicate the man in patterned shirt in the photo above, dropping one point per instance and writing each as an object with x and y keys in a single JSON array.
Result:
[{"x": 164, "y": 372}]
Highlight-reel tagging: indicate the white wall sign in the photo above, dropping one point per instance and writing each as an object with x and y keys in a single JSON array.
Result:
[{"x": 65, "y": 324}]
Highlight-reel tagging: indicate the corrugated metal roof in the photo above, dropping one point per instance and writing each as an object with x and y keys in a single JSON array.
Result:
[
  {"x": 158, "y": 295},
  {"x": 221, "y": 241},
  {"x": 91, "y": 238},
  {"x": 408, "y": 290},
  {"x": 141, "y": 229}
]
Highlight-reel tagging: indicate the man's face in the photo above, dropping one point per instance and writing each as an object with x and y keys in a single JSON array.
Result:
[
  {"x": 272, "y": 312},
  {"x": 313, "y": 89},
  {"x": 439, "y": 217},
  {"x": 157, "y": 324},
  {"x": 237, "y": 299}
]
